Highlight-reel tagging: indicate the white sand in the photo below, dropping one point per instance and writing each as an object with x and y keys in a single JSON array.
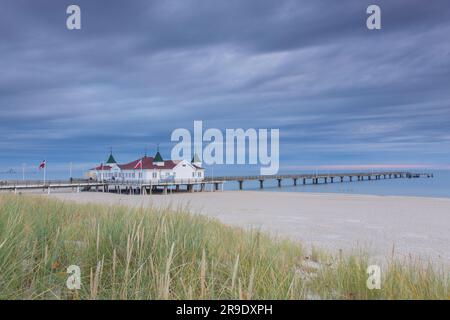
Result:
[{"x": 419, "y": 227}]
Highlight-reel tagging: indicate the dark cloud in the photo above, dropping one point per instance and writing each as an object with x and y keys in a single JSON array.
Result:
[{"x": 137, "y": 70}]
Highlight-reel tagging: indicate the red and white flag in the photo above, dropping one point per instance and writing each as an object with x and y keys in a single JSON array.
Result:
[
  {"x": 42, "y": 165},
  {"x": 138, "y": 165}
]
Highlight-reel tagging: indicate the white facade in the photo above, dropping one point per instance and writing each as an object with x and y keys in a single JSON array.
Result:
[{"x": 149, "y": 171}]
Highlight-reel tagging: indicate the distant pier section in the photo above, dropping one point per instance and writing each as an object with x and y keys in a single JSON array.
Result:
[
  {"x": 201, "y": 185},
  {"x": 324, "y": 177}
]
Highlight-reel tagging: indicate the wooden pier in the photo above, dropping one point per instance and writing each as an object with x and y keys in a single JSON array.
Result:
[
  {"x": 325, "y": 177},
  {"x": 200, "y": 185},
  {"x": 74, "y": 185},
  {"x": 163, "y": 187},
  {"x": 116, "y": 186}
]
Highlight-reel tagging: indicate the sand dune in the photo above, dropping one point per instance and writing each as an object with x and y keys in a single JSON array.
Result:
[{"x": 419, "y": 227}]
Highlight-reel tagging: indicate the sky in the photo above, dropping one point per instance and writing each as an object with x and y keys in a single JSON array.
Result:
[{"x": 342, "y": 96}]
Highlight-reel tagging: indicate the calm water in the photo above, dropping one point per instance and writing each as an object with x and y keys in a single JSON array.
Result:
[{"x": 439, "y": 186}]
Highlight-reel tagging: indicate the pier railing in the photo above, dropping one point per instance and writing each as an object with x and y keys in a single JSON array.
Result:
[
  {"x": 320, "y": 175},
  {"x": 42, "y": 182},
  {"x": 314, "y": 178},
  {"x": 159, "y": 182}
]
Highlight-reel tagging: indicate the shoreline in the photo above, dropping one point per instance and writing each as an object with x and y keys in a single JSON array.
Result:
[
  {"x": 266, "y": 190},
  {"x": 412, "y": 227},
  {"x": 344, "y": 194}
]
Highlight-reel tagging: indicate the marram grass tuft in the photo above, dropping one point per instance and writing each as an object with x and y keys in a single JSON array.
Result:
[{"x": 128, "y": 253}]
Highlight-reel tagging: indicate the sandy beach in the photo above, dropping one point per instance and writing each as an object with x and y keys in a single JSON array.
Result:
[{"x": 408, "y": 226}]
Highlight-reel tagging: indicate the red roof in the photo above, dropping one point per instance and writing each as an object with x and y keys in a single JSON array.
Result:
[
  {"x": 102, "y": 168},
  {"x": 147, "y": 163}
]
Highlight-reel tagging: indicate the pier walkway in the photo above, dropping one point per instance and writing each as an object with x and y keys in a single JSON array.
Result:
[
  {"x": 193, "y": 185},
  {"x": 325, "y": 177}
]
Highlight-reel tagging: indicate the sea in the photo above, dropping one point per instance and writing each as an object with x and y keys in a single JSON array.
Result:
[{"x": 438, "y": 186}]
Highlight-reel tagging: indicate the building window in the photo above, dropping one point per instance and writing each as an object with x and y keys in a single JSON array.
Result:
[{"x": 155, "y": 175}]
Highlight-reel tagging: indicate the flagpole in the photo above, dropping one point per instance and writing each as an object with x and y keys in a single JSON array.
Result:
[
  {"x": 45, "y": 170},
  {"x": 70, "y": 171},
  {"x": 23, "y": 171},
  {"x": 142, "y": 175}
]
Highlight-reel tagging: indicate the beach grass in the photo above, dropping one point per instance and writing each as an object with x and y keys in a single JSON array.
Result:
[{"x": 148, "y": 253}]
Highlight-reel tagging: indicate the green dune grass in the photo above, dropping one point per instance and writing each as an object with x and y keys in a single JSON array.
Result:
[{"x": 128, "y": 253}]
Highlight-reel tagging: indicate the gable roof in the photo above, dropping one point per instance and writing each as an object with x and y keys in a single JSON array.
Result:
[
  {"x": 148, "y": 163},
  {"x": 102, "y": 168}
]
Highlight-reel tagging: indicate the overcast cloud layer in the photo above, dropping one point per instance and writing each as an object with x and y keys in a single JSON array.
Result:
[{"x": 339, "y": 93}]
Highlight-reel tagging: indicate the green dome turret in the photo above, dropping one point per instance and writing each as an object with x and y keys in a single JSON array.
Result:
[
  {"x": 158, "y": 157},
  {"x": 195, "y": 159},
  {"x": 111, "y": 159}
]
